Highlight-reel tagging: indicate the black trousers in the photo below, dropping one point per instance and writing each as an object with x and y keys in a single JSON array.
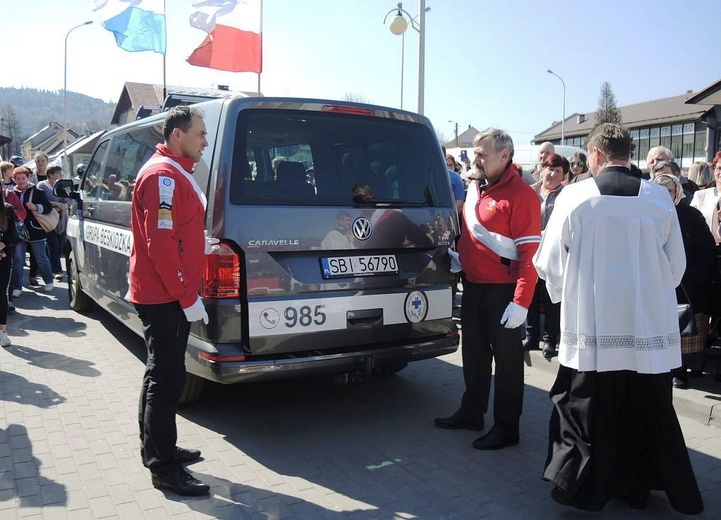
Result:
[
  {"x": 6, "y": 265},
  {"x": 483, "y": 340},
  {"x": 166, "y": 337},
  {"x": 551, "y": 316}
]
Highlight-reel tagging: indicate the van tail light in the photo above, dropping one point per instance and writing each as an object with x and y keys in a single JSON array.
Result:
[{"x": 221, "y": 275}]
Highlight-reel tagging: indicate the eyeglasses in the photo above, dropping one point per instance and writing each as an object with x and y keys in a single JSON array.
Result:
[{"x": 579, "y": 164}]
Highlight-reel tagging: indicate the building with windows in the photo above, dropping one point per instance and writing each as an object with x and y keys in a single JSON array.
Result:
[{"x": 686, "y": 124}]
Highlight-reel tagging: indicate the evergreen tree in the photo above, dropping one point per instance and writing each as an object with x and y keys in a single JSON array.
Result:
[{"x": 607, "y": 112}]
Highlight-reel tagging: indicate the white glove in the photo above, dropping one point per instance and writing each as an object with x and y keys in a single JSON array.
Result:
[
  {"x": 211, "y": 244},
  {"x": 514, "y": 316},
  {"x": 455, "y": 261},
  {"x": 196, "y": 312}
]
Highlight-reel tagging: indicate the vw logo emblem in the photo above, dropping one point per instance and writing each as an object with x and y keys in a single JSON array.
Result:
[{"x": 362, "y": 228}]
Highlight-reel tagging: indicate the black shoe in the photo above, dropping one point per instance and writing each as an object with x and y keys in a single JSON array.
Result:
[
  {"x": 494, "y": 441},
  {"x": 530, "y": 344},
  {"x": 694, "y": 372},
  {"x": 679, "y": 383},
  {"x": 182, "y": 483},
  {"x": 548, "y": 350},
  {"x": 186, "y": 455},
  {"x": 182, "y": 455},
  {"x": 458, "y": 421}
]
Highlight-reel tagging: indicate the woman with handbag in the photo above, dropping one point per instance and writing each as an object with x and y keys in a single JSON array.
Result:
[
  {"x": 36, "y": 203},
  {"x": 56, "y": 237},
  {"x": 700, "y": 249}
]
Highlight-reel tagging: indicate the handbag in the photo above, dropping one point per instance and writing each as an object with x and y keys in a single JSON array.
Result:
[
  {"x": 686, "y": 318},
  {"x": 47, "y": 221}
]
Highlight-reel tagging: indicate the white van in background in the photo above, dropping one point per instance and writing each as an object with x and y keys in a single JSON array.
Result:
[{"x": 525, "y": 156}]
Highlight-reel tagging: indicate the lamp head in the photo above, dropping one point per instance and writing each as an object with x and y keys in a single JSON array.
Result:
[
  {"x": 398, "y": 25},
  {"x": 549, "y": 71}
]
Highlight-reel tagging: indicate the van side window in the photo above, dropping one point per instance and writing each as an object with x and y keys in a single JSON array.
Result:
[
  {"x": 128, "y": 152},
  {"x": 93, "y": 172},
  {"x": 319, "y": 159}
]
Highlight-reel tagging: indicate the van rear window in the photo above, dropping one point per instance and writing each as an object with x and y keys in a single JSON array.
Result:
[{"x": 329, "y": 159}]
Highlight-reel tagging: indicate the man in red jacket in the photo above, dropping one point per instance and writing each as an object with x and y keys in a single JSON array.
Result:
[
  {"x": 500, "y": 233},
  {"x": 166, "y": 265}
]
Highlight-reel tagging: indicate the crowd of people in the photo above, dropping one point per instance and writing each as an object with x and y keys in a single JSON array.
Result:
[
  {"x": 551, "y": 240},
  {"x": 26, "y": 194}
]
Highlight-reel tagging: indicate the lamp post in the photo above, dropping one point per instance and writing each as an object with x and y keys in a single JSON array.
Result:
[
  {"x": 563, "y": 121},
  {"x": 65, "y": 97},
  {"x": 456, "y": 123},
  {"x": 398, "y": 27}
]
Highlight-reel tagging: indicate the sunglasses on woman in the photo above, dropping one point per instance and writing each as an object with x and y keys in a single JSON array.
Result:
[{"x": 579, "y": 164}]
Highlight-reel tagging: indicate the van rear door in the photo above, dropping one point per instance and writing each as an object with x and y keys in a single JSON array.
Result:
[{"x": 341, "y": 215}]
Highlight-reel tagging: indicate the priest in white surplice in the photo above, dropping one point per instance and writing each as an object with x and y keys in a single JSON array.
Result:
[{"x": 613, "y": 254}]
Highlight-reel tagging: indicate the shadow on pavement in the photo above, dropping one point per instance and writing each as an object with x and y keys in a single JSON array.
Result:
[
  {"x": 17, "y": 389},
  {"x": 51, "y": 360},
  {"x": 20, "y": 476}
]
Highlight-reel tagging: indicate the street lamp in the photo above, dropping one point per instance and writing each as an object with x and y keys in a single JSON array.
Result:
[
  {"x": 563, "y": 121},
  {"x": 65, "y": 97},
  {"x": 456, "y": 123},
  {"x": 398, "y": 27}
]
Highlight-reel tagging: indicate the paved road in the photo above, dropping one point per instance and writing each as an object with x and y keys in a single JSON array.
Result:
[{"x": 292, "y": 450}]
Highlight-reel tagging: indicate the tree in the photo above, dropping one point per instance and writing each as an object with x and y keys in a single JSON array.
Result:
[
  {"x": 607, "y": 111},
  {"x": 11, "y": 128},
  {"x": 355, "y": 98}
]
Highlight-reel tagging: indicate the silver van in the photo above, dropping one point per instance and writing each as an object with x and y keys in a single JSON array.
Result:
[{"x": 334, "y": 220}]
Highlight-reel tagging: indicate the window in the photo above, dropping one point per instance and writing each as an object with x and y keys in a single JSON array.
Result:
[
  {"x": 654, "y": 136},
  {"x": 312, "y": 158},
  {"x": 699, "y": 145},
  {"x": 93, "y": 172},
  {"x": 665, "y": 136}
]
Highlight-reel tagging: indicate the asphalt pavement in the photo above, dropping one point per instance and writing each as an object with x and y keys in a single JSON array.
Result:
[{"x": 301, "y": 449}]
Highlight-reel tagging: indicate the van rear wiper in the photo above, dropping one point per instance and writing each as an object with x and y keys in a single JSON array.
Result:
[{"x": 360, "y": 200}]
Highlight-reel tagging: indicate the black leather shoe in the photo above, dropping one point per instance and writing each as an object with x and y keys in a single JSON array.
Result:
[
  {"x": 182, "y": 483},
  {"x": 457, "y": 422},
  {"x": 679, "y": 383},
  {"x": 186, "y": 455},
  {"x": 182, "y": 455},
  {"x": 530, "y": 344},
  {"x": 549, "y": 350},
  {"x": 493, "y": 441}
]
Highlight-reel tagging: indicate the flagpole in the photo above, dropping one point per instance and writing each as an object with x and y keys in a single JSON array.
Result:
[
  {"x": 261, "y": 43},
  {"x": 165, "y": 14}
]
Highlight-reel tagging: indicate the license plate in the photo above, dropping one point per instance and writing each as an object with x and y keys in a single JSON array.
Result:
[{"x": 346, "y": 266}]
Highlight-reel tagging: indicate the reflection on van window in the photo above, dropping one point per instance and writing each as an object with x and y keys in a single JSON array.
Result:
[
  {"x": 313, "y": 158},
  {"x": 127, "y": 153}
]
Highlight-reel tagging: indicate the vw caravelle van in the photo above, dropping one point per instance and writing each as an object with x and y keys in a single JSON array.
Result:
[{"x": 334, "y": 221}]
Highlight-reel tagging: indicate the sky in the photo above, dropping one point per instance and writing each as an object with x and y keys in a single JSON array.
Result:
[{"x": 485, "y": 61}]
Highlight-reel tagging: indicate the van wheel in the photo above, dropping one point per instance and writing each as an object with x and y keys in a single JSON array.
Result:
[
  {"x": 389, "y": 370},
  {"x": 193, "y": 389},
  {"x": 79, "y": 301}
]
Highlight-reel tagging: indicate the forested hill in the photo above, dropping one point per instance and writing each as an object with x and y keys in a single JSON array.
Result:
[{"x": 36, "y": 108}]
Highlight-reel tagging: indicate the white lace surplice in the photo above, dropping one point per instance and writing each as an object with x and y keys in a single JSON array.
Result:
[{"x": 614, "y": 263}]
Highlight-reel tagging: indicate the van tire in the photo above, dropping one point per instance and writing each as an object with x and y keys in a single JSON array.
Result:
[
  {"x": 192, "y": 390},
  {"x": 79, "y": 301}
]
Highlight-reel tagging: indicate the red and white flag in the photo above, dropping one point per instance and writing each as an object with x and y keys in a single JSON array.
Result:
[{"x": 234, "y": 41}]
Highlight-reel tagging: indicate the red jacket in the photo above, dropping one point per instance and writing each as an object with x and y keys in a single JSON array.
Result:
[
  {"x": 510, "y": 213},
  {"x": 167, "y": 257}
]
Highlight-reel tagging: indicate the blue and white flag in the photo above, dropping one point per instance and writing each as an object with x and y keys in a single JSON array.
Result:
[{"x": 138, "y": 25}]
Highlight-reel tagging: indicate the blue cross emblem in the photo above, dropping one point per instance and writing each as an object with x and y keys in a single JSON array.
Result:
[{"x": 416, "y": 303}]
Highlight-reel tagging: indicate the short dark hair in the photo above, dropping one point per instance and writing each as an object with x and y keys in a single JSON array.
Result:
[
  {"x": 54, "y": 169},
  {"x": 554, "y": 160},
  {"x": 180, "y": 117},
  {"x": 612, "y": 139}
]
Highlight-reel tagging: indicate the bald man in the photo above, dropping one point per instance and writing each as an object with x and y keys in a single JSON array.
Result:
[{"x": 547, "y": 149}]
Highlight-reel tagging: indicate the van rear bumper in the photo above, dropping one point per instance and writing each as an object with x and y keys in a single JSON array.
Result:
[{"x": 354, "y": 362}]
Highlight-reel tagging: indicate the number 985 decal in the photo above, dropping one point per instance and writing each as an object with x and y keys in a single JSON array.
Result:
[{"x": 304, "y": 316}]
